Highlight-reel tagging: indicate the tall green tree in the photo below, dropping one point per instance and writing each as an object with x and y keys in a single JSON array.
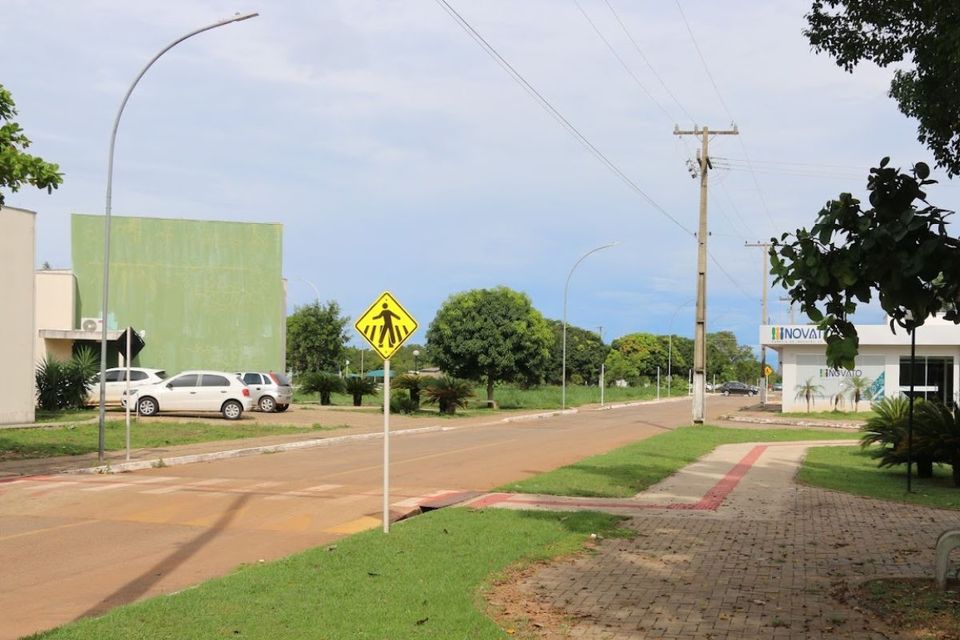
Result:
[
  {"x": 898, "y": 248},
  {"x": 17, "y": 167},
  {"x": 645, "y": 351},
  {"x": 585, "y": 353},
  {"x": 316, "y": 338},
  {"x": 490, "y": 335},
  {"x": 729, "y": 360},
  {"x": 922, "y": 37}
]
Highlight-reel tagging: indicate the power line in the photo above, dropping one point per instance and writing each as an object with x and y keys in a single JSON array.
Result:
[
  {"x": 647, "y": 62},
  {"x": 723, "y": 103},
  {"x": 729, "y": 277},
  {"x": 547, "y": 106}
]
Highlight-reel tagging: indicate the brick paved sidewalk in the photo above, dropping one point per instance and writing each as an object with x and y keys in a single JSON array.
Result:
[{"x": 774, "y": 560}]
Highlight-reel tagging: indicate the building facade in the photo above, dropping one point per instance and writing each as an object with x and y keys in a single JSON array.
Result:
[
  {"x": 883, "y": 364},
  {"x": 17, "y": 253},
  {"x": 203, "y": 294}
]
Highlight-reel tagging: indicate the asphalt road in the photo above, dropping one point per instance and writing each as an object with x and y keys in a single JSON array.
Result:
[{"x": 76, "y": 546}]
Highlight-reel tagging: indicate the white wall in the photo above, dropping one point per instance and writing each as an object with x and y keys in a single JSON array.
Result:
[
  {"x": 55, "y": 309},
  {"x": 17, "y": 253}
]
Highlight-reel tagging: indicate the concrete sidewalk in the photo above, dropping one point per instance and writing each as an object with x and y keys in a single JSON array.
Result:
[{"x": 731, "y": 548}]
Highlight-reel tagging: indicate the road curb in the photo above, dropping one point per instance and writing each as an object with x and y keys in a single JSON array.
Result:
[
  {"x": 638, "y": 403},
  {"x": 540, "y": 416},
  {"x": 854, "y": 426},
  {"x": 138, "y": 465}
]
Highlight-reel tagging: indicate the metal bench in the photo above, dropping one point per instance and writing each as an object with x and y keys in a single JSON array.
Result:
[{"x": 947, "y": 542}]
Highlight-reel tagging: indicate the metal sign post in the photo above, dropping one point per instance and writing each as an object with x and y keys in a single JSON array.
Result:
[
  {"x": 386, "y": 446},
  {"x": 386, "y": 325},
  {"x": 126, "y": 361}
]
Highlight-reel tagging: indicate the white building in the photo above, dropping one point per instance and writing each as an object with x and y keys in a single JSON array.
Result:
[
  {"x": 17, "y": 242},
  {"x": 884, "y": 361}
]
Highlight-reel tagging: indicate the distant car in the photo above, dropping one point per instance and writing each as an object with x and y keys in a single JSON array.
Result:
[
  {"x": 116, "y": 382},
  {"x": 195, "y": 391},
  {"x": 737, "y": 388},
  {"x": 269, "y": 391},
  {"x": 778, "y": 386}
]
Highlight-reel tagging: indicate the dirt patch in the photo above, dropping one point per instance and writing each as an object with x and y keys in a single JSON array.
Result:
[
  {"x": 520, "y": 613},
  {"x": 914, "y": 606}
]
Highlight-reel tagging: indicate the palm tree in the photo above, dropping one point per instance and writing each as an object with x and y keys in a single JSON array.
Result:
[
  {"x": 807, "y": 391},
  {"x": 858, "y": 387},
  {"x": 938, "y": 436},
  {"x": 888, "y": 429},
  {"x": 322, "y": 383},
  {"x": 359, "y": 387},
  {"x": 413, "y": 383},
  {"x": 449, "y": 393}
]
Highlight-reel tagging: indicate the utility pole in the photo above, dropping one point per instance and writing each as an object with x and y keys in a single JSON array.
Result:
[
  {"x": 700, "y": 327},
  {"x": 763, "y": 313},
  {"x": 790, "y": 300}
]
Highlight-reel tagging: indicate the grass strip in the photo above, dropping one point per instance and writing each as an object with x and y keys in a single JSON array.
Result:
[
  {"x": 849, "y": 416},
  {"x": 422, "y": 581},
  {"x": 624, "y": 472},
  {"x": 77, "y": 439},
  {"x": 852, "y": 470},
  {"x": 64, "y": 415}
]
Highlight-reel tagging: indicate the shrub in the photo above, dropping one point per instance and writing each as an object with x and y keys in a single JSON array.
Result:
[
  {"x": 888, "y": 429},
  {"x": 65, "y": 385},
  {"x": 938, "y": 435},
  {"x": 448, "y": 393},
  {"x": 413, "y": 383},
  {"x": 322, "y": 383},
  {"x": 359, "y": 387},
  {"x": 403, "y": 403}
]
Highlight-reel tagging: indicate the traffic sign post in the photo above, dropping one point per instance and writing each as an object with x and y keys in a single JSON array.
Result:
[{"x": 386, "y": 325}]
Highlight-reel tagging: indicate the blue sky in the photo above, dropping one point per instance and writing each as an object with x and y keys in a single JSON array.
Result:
[{"x": 398, "y": 155}]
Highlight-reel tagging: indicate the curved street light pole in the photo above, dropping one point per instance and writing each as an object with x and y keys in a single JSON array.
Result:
[
  {"x": 563, "y": 373},
  {"x": 107, "y": 208}
]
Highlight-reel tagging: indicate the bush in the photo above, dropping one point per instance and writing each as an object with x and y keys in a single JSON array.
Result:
[
  {"x": 323, "y": 383},
  {"x": 449, "y": 393},
  {"x": 888, "y": 429},
  {"x": 359, "y": 387},
  {"x": 937, "y": 435},
  {"x": 65, "y": 385},
  {"x": 403, "y": 403},
  {"x": 413, "y": 383}
]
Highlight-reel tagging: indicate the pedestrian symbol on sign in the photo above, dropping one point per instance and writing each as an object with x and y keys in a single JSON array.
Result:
[{"x": 386, "y": 325}]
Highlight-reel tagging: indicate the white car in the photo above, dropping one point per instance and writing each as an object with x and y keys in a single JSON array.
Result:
[
  {"x": 116, "y": 382},
  {"x": 195, "y": 391}
]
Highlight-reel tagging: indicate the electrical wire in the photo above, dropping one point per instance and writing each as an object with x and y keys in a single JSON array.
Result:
[
  {"x": 550, "y": 109},
  {"x": 729, "y": 277},
  {"x": 723, "y": 103}
]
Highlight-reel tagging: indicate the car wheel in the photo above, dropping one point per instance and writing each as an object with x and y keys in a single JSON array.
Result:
[
  {"x": 726, "y": 393},
  {"x": 753, "y": 393},
  {"x": 147, "y": 406},
  {"x": 231, "y": 410},
  {"x": 267, "y": 404},
  {"x": 282, "y": 407}
]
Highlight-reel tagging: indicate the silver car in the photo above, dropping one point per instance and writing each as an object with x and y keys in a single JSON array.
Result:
[{"x": 269, "y": 391}]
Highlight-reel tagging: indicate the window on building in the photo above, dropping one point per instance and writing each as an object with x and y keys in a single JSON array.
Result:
[{"x": 932, "y": 378}]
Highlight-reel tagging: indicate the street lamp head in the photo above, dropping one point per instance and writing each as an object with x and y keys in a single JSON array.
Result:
[
  {"x": 240, "y": 18},
  {"x": 416, "y": 353}
]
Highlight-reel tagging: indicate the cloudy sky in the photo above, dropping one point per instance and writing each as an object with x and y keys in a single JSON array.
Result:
[{"x": 398, "y": 154}]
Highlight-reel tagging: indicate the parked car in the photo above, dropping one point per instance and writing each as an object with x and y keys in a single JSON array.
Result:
[
  {"x": 778, "y": 386},
  {"x": 269, "y": 391},
  {"x": 737, "y": 388},
  {"x": 195, "y": 391},
  {"x": 116, "y": 382}
]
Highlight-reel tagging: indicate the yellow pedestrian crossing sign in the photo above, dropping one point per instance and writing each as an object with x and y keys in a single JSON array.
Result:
[
  {"x": 767, "y": 371},
  {"x": 386, "y": 325}
]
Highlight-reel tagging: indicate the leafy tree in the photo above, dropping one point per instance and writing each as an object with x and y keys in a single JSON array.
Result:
[
  {"x": 620, "y": 367},
  {"x": 323, "y": 383},
  {"x": 728, "y": 360},
  {"x": 896, "y": 248},
  {"x": 448, "y": 393},
  {"x": 316, "y": 338},
  {"x": 585, "y": 353},
  {"x": 920, "y": 35},
  {"x": 490, "y": 335},
  {"x": 645, "y": 351},
  {"x": 807, "y": 391},
  {"x": 65, "y": 384},
  {"x": 17, "y": 167}
]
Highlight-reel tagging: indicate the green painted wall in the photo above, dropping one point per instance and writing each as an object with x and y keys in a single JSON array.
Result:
[{"x": 209, "y": 294}]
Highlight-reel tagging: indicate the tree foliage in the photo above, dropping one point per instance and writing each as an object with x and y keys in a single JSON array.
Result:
[
  {"x": 922, "y": 35},
  {"x": 490, "y": 335},
  {"x": 585, "y": 353},
  {"x": 316, "y": 338},
  {"x": 897, "y": 248},
  {"x": 17, "y": 167},
  {"x": 65, "y": 384}
]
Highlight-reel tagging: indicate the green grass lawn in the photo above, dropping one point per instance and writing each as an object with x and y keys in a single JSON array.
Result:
[
  {"x": 64, "y": 415},
  {"x": 624, "y": 472},
  {"x": 423, "y": 580},
  {"x": 76, "y": 439},
  {"x": 852, "y": 470},
  {"x": 512, "y": 397},
  {"x": 858, "y": 416}
]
